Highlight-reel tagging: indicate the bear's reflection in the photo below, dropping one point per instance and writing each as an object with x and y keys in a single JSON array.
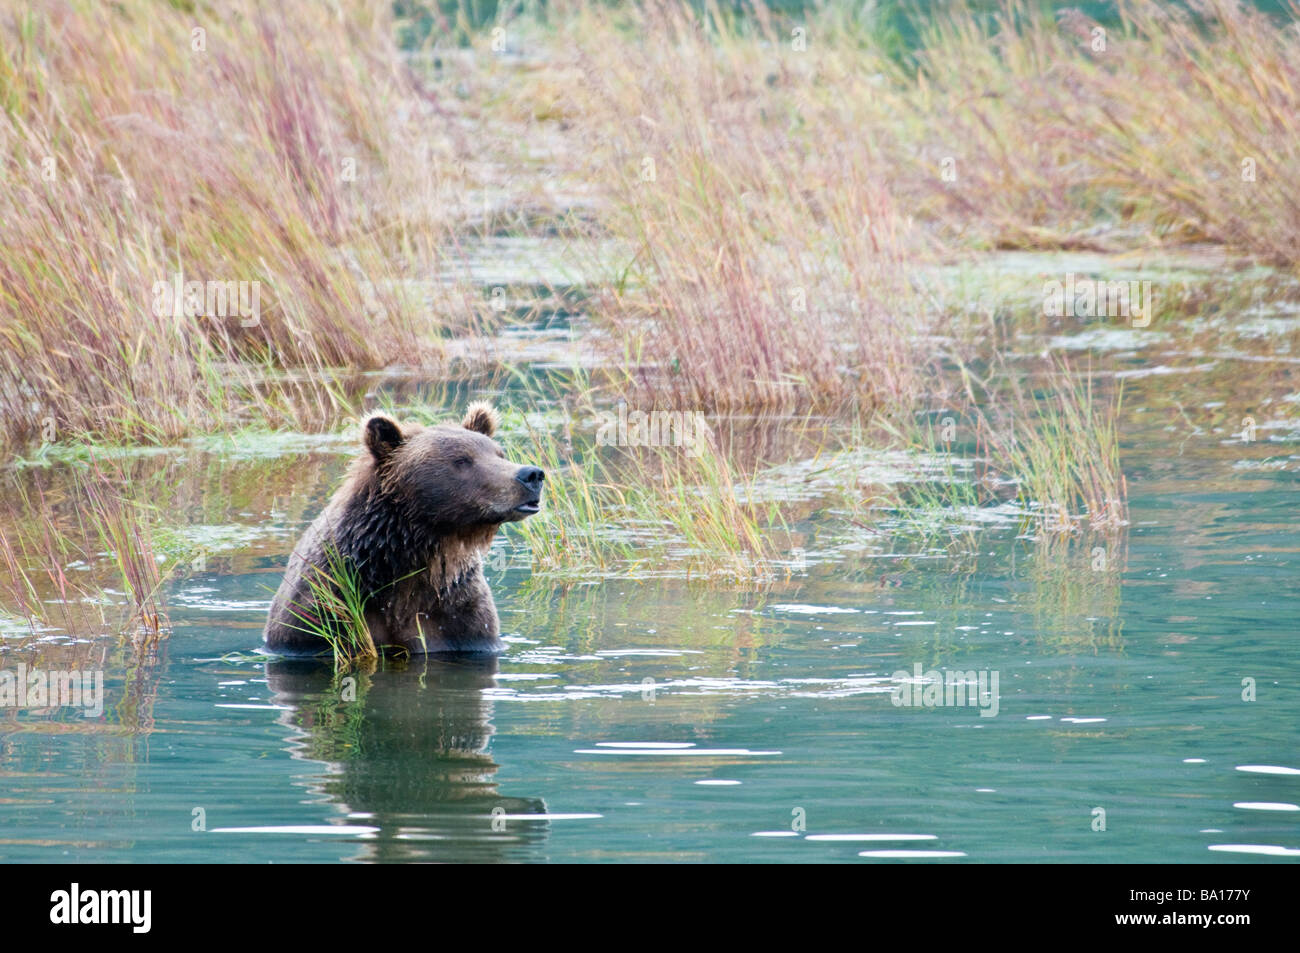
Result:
[{"x": 407, "y": 747}]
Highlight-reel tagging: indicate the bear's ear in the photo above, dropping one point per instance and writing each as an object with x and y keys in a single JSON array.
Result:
[
  {"x": 481, "y": 418},
  {"x": 382, "y": 436}
]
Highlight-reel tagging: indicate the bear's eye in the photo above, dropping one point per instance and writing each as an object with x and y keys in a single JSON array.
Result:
[{"x": 463, "y": 461}]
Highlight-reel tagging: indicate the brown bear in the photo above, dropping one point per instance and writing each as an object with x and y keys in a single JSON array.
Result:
[{"x": 410, "y": 525}]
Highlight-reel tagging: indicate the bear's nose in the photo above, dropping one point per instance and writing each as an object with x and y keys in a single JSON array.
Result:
[{"x": 531, "y": 477}]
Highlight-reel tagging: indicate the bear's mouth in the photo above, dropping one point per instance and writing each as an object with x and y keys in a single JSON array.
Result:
[{"x": 529, "y": 508}]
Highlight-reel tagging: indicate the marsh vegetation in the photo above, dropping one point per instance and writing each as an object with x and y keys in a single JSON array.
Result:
[{"x": 785, "y": 228}]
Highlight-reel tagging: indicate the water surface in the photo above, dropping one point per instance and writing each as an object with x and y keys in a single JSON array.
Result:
[{"x": 652, "y": 719}]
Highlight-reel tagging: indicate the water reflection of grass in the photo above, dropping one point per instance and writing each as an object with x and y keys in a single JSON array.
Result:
[
  {"x": 53, "y": 538},
  {"x": 130, "y": 675},
  {"x": 333, "y": 718},
  {"x": 589, "y": 615},
  {"x": 1075, "y": 593},
  {"x": 89, "y": 546}
]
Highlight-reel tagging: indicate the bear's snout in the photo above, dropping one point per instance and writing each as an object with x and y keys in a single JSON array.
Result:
[{"x": 531, "y": 477}]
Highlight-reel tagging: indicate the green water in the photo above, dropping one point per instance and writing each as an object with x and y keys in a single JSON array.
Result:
[{"x": 651, "y": 719}]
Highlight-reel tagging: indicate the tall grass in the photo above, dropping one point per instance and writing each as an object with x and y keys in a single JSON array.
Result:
[
  {"x": 124, "y": 527},
  {"x": 643, "y": 510},
  {"x": 1044, "y": 439},
  {"x": 142, "y": 141},
  {"x": 767, "y": 204},
  {"x": 1059, "y": 444},
  {"x": 762, "y": 263},
  {"x": 36, "y": 564},
  {"x": 1200, "y": 128},
  {"x": 1040, "y": 131},
  {"x": 335, "y": 610},
  {"x": 759, "y": 173},
  {"x": 977, "y": 140},
  {"x": 575, "y": 524}
]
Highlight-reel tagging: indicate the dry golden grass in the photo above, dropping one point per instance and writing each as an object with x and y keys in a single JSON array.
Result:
[
  {"x": 762, "y": 260},
  {"x": 142, "y": 142}
]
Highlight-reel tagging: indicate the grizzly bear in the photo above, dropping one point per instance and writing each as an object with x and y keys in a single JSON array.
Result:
[{"x": 409, "y": 528}]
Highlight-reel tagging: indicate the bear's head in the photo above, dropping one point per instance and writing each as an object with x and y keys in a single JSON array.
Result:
[{"x": 453, "y": 476}]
